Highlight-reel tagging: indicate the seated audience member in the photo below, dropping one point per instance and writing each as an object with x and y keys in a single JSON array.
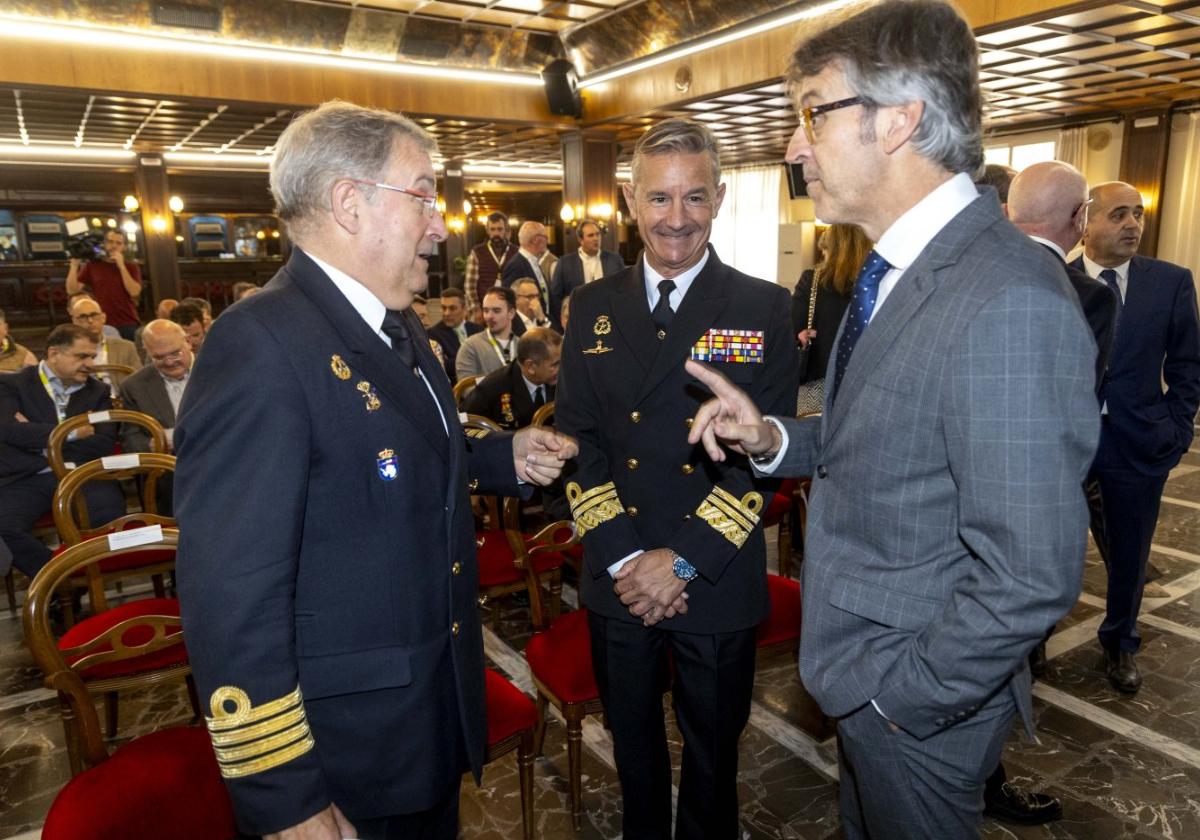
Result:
[
  {"x": 421, "y": 307},
  {"x": 109, "y": 330},
  {"x": 529, "y": 306},
  {"x": 115, "y": 282},
  {"x": 86, "y": 313},
  {"x": 156, "y": 390},
  {"x": 13, "y": 356},
  {"x": 162, "y": 312},
  {"x": 243, "y": 289},
  {"x": 32, "y": 402},
  {"x": 205, "y": 308},
  {"x": 453, "y": 329},
  {"x": 191, "y": 318},
  {"x": 495, "y": 347},
  {"x": 513, "y": 393}
]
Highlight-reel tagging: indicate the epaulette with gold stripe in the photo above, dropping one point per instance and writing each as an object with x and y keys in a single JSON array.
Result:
[
  {"x": 729, "y": 516},
  {"x": 593, "y": 507},
  {"x": 250, "y": 739}
]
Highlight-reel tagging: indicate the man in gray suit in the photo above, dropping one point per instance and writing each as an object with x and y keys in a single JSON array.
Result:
[{"x": 947, "y": 525}]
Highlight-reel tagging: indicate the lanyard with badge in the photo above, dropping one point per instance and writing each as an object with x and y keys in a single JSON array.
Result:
[
  {"x": 60, "y": 402},
  {"x": 503, "y": 354}
]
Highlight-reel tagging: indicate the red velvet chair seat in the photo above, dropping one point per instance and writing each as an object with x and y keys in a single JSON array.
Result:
[
  {"x": 508, "y": 710},
  {"x": 780, "y": 503},
  {"x": 783, "y": 624},
  {"x": 165, "y": 784},
  {"x": 561, "y": 657},
  {"x": 496, "y": 567},
  {"x": 95, "y": 625}
]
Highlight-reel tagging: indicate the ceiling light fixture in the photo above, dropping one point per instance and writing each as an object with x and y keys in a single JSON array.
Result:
[
  {"x": 74, "y": 33},
  {"x": 708, "y": 43},
  {"x": 67, "y": 151}
]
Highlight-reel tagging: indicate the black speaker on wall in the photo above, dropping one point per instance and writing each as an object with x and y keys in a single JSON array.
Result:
[
  {"x": 562, "y": 88},
  {"x": 797, "y": 188}
]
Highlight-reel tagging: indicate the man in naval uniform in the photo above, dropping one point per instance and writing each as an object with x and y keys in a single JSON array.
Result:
[
  {"x": 675, "y": 558},
  {"x": 327, "y": 566}
]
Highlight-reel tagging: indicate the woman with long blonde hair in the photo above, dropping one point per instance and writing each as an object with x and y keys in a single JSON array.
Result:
[{"x": 818, "y": 303}]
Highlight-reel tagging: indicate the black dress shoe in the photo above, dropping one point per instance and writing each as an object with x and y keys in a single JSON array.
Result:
[
  {"x": 1122, "y": 671},
  {"x": 1008, "y": 803},
  {"x": 1037, "y": 660}
]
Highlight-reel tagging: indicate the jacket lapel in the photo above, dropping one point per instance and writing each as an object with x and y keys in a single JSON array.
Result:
[
  {"x": 160, "y": 402},
  {"x": 701, "y": 305},
  {"x": 631, "y": 317},
  {"x": 369, "y": 358}
]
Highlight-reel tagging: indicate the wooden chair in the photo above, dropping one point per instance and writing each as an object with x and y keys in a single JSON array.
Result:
[
  {"x": 544, "y": 416},
  {"x": 560, "y": 660},
  {"x": 502, "y": 545},
  {"x": 462, "y": 386},
  {"x": 70, "y": 517},
  {"x": 58, "y": 437},
  {"x": 137, "y": 644},
  {"x": 120, "y": 370},
  {"x": 511, "y": 721}
]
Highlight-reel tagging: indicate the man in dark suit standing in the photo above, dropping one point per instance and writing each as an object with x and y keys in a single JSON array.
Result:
[
  {"x": 453, "y": 329},
  {"x": 583, "y": 266},
  {"x": 674, "y": 551},
  {"x": 1145, "y": 430},
  {"x": 32, "y": 402},
  {"x": 327, "y": 567},
  {"x": 512, "y": 394},
  {"x": 947, "y": 523},
  {"x": 529, "y": 262}
]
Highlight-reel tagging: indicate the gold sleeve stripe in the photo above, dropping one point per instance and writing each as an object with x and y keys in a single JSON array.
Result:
[
  {"x": 258, "y": 730},
  {"x": 593, "y": 508},
  {"x": 267, "y": 762},
  {"x": 244, "y": 712},
  {"x": 256, "y": 749},
  {"x": 477, "y": 433},
  {"x": 730, "y": 517}
]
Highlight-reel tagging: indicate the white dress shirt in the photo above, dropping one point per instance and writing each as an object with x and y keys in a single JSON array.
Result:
[
  {"x": 1093, "y": 270},
  {"x": 593, "y": 268},
  {"x": 372, "y": 310}
]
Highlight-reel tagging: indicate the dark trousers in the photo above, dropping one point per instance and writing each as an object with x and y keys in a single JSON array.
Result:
[
  {"x": 893, "y": 786},
  {"x": 437, "y": 823},
  {"x": 712, "y": 689},
  {"x": 26, "y": 500},
  {"x": 1123, "y": 526}
]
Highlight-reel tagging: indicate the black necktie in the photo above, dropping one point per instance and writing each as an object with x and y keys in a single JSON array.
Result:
[
  {"x": 663, "y": 313},
  {"x": 395, "y": 327},
  {"x": 1110, "y": 279},
  {"x": 862, "y": 304},
  {"x": 539, "y": 396}
]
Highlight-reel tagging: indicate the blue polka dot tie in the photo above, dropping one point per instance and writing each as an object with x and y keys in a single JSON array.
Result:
[{"x": 862, "y": 304}]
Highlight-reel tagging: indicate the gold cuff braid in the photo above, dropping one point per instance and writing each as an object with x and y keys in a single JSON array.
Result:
[
  {"x": 729, "y": 516},
  {"x": 593, "y": 507},
  {"x": 250, "y": 739}
]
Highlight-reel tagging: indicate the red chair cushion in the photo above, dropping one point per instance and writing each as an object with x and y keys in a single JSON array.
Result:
[
  {"x": 780, "y": 503},
  {"x": 783, "y": 624},
  {"x": 496, "y": 566},
  {"x": 165, "y": 784},
  {"x": 508, "y": 710},
  {"x": 95, "y": 625},
  {"x": 561, "y": 658}
]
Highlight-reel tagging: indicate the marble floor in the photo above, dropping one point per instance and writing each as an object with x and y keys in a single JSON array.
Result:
[{"x": 1125, "y": 767}]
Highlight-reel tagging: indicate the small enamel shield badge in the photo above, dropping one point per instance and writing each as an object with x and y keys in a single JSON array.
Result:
[{"x": 389, "y": 468}]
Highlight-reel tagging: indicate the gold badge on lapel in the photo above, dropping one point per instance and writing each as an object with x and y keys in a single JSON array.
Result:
[
  {"x": 339, "y": 367},
  {"x": 603, "y": 326},
  {"x": 369, "y": 396},
  {"x": 506, "y": 409},
  {"x": 598, "y": 349}
]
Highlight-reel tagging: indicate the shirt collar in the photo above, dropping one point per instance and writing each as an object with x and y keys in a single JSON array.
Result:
[
  {"x": 55, "y": 382},
  {"x": 586, "y": 256},
  {"x": 683, "y": 281},
  {"x": 1053, "y": 246},
  {"x": 904, "y": 241},
  {"x": 369, "y": 307},
  {"x": 1093, "y": 269},
  {"x": 533, "y": 259}
]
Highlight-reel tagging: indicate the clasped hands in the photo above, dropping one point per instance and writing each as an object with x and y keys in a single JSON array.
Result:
[
  {"x": 648, "y": 586},
  {"x": 539, "y": 454}
]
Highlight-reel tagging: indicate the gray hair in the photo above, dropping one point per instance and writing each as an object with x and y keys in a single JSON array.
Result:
[
  {"x": 901, "y": 51},
  {"x": 336, "y": 140},
  {"x": 677, "y": 137}
]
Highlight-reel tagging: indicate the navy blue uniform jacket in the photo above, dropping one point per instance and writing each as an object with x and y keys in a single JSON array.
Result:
[{"x": 326, "y": 565}]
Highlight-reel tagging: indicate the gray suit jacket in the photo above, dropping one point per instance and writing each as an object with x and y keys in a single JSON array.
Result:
[
  {"x": 948, "y": 524},
  {"x": 122, "y": 352},
  {"x": 145, "y": 391},
  {"x": 476, "y": 356}
]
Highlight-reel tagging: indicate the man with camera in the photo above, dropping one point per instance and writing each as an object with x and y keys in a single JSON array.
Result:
[{"x": 114, "y": 283}]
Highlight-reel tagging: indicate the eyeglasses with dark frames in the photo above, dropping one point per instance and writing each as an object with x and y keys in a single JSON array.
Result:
[
  {"x": 428, "y": 201},
  {"x": 809, "y": 116}
]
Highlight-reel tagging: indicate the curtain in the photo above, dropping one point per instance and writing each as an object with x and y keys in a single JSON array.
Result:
[
  {"x": 1177, "y": 239},
  {"x": 1072, "y": 146},
  {"x": 746, "y": 231}
]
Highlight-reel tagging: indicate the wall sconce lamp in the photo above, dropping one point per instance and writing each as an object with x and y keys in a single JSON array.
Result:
[
  {"x": 131, "y": 204},
  {"x": 158, "y": 224},
  {"x": 175, "y": 203}
]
